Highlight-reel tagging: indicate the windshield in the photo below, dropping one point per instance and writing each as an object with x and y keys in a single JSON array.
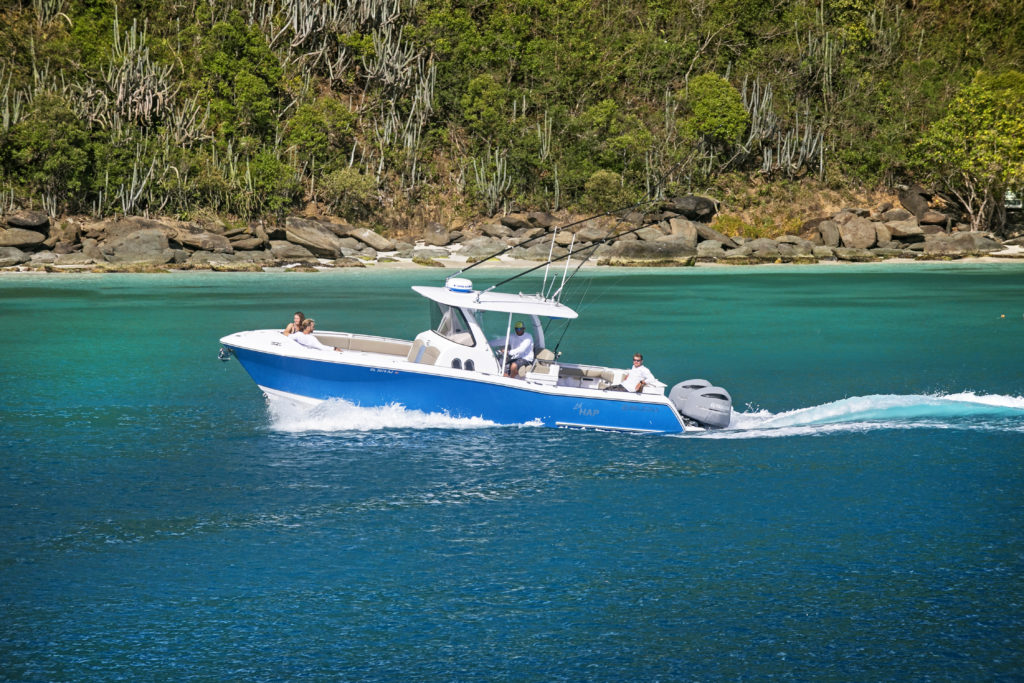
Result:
[
  {"x": 495, "y": 324},
  {"x": 449, "y": 322}
]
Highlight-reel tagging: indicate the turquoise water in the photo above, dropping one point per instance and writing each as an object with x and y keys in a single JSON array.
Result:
[{"x": 862, "y": 518}]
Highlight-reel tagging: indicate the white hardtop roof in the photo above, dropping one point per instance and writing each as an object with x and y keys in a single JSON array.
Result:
[{"x": 525, "y": 304}]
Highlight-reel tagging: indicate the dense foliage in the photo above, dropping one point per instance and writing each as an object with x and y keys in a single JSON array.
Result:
[{"x": 381, "y": 109}]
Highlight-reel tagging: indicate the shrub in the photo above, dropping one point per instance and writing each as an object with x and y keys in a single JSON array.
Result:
[
  {"x": 605, "y": 191},
  {"x": 350, "y": 193}
]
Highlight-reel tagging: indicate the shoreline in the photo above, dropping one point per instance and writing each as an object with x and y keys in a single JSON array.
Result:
[{"x": 1012, "y": 255}]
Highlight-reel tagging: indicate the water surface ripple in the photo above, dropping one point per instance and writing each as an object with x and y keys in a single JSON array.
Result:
[{"x": 861, "y": 518}]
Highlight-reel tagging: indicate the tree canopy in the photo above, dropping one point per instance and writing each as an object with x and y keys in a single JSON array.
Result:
[
  {"x": 976, "y": 151},
  {"x": 392, "y": 108}
]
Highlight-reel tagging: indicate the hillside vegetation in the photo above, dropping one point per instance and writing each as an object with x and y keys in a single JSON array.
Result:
[{"x": 400, "y": 111}]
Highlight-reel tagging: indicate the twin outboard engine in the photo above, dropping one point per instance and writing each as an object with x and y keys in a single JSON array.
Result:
[{"x": 697, "y": 400}]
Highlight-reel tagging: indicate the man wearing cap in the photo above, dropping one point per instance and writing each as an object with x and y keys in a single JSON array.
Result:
[{"x": 520, "y": 348}]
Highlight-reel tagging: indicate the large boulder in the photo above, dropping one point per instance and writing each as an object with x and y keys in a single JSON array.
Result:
[
  {"x": 915, "y": 200},
  {"x": 517, "y": 221},
  {"x": 12, "y": 256},
  {"x": 142, "y": 247},
  {"x": 483, "y": 247},
  {"x": 760, "y": 248},
  {"x": 20, "y": 237},
  {"x": 67, "y": 231},
  {"x": 251, "y": 238},
  {"x": 194, "y": 237},
  {"x": 710, "y": 249},
  {"x": 428, "y": 253},
  {"x": 960, "y": 244},
  {"x": 42, "y": 258},
  {"x": 538, "y": 252},
  {"x": 282, "y": 250},
  {"x": 650, "y": 233},
  {"x": 249, "y": 243},
  {"x": 496, "y": 230},
  {"x": 372, "y": 239},
  {"x": 684, "y": 230},
  {"x": 854, "y": 254},
  {"x": 904, "y": 229},
  {"x": 91, "y": 249},
  {"x": 896, "y": 215},
  {"x": 540, "y": 219},
  {"x": 526, "y": 234},
  {"x": 857, "y": 233},
  {"x": 829, "y": 231},
  {"x": 436, "y": 235},
  {"x": 314, "y": 236},
  {"x": 114, "y": 230},
  {"x": 645, "y": 250},
  {"x": 591, "y": 231},
  {"x": 933, "y": 217},
  {"x": 77, "y": 258},
  {"x": 693, "y": 207},
  {"x": 706, "y": 232},
  {"x": 798, "y": 246},
  {"x": 30, "y": 220},
  {"x": 882, "y": 235},
  {"x": 209, "y": 259},
  {"x": 565, "y": 237}
]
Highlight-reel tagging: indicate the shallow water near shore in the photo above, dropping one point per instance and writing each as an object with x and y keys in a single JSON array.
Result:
[{"x": 860, "y": 519}]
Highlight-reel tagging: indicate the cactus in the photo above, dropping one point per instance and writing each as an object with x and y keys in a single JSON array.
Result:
[
  {"x": 141, "y": 91},
  {"x": 48, "y": 10},
  {"x": 492, "y": 181}
]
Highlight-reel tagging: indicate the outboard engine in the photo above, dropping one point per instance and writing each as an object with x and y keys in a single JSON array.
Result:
[{"x": 706, "y": 405}]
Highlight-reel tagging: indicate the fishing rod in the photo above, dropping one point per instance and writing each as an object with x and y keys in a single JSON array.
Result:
[
  {"x": 593, "y": 245},
  {"x": 548, "y": 231}
]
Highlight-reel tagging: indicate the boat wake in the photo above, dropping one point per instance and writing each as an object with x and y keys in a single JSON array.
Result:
[
  {"x": 965, "y": 410},
  {"x": 337, "y": 415}
]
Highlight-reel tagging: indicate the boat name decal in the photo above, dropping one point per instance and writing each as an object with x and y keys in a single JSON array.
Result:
[
  {"x": 641, "y": 408},
  {"x": 384, "y": 370},
  {"x": 585, "y": 412}
]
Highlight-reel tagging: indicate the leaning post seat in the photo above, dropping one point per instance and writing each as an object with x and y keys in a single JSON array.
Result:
[{"x": 541, "y": 363}]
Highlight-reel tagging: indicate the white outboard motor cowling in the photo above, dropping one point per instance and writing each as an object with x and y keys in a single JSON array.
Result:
[{"x": 698, "y": 400}]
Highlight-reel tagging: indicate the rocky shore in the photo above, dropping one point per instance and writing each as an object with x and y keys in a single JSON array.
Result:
[{"x": 679, "y": 233}]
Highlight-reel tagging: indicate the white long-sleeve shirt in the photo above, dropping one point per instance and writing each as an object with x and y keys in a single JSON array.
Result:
[{"x": 520, "y": 346}]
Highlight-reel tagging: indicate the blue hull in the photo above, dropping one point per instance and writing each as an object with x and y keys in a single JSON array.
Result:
[{"x": 469, "y": 397}]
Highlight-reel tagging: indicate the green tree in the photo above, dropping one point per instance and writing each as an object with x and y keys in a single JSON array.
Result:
[
  {"x": 484, "y": 106},
  {"x": 49, "y": 152},
  {"x": 241, "y": 77},
  {"x": 351, "y": 193},
  {"x": 321, "y": 132},
  {"x": 713, "y": 112},
  {"x": 605, "y": 191},
  {"x": 976, "y": 151}
]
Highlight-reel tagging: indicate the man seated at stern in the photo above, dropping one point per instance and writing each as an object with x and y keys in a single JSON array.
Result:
[
  {"x": 520, "y": 349},
  {"x": 637, "y": 377}
]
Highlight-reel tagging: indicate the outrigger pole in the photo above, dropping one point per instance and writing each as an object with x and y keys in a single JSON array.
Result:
[
  {"x": 551, "y": 233},
  {"x": 589, "y": 247},
  {"x": 546, "y": 233}
]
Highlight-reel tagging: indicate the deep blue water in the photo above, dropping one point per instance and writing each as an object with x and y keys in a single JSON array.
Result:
[{"x": 862, "y": 519}]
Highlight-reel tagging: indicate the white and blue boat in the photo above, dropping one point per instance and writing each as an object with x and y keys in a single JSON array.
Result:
[{"x": 451, "y": 368}]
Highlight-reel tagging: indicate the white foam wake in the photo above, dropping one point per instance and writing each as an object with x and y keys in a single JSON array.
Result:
[
  {"x": 337, "y": 415},
  {"x": 964, "y": 410}
]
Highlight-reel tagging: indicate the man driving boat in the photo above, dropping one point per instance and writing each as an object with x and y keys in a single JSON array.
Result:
[{"x": 520, "y": 349}]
